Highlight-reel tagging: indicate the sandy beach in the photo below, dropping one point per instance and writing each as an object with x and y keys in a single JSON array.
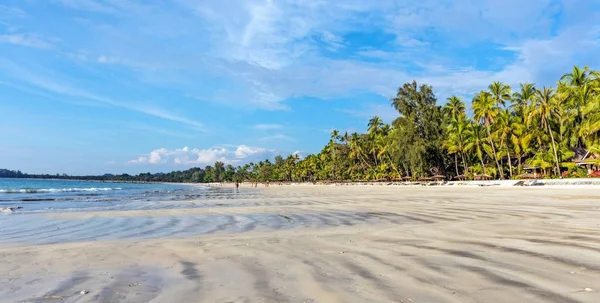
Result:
[{"x": 316, "y": 244}]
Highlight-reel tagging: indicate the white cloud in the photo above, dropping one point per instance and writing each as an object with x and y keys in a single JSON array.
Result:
[
  {"x": 29, "y": 40},
  {"x": 194, "y": 156},
  {"x": 244, "y": 151},
  {"x": 268, "y": 126}
]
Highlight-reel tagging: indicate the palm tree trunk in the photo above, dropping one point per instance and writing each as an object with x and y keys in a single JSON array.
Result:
[
  {"x": 483, "y": 166},
  {"x": 393, "y": 165},
  {"x": 509, "y": 160},
  {"x": 494, "y": 152},
  {"x": 554, "y": 148},
  {"x": 465, "y": 169},
  {"x": 456, "y": 163},
  {"x": 364, "y": 161}
]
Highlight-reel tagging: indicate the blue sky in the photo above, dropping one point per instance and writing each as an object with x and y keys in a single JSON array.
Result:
[{"x": 95, "y": 86}]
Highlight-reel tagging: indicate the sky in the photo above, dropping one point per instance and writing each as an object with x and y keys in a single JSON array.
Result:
[{"x": 130, "y": 86}]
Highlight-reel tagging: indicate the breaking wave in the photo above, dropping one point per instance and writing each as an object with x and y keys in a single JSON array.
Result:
[{"x": 55, "y": 190}]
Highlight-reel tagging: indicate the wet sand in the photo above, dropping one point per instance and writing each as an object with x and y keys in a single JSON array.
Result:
[{"x": 316, "y": 244}]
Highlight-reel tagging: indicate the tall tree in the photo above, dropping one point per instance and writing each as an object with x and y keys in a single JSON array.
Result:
[
  {"x": 543, "y": 109},
  {"x": 500, "y": 92},
  {"x": 485, "y": 110}
]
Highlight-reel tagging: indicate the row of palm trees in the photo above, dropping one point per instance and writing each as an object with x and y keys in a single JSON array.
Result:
[
  {"x": 542, "y": 125},
  {"x": 503, "y": 132}
]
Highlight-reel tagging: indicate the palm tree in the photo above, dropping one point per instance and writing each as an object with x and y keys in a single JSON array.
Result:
[
  {"x": 356, "y": 149},
  {"x": 374, "y": 128},
  {"x": 458, "y": 140},
  {"x": 504, "y": 133},
  {"x": 478, "y": 142},
  {"x": 500, "y": 92},
  {"x": 521, "y": 139},
  {"x": 484, "y": 109},
  {"x": 335, "y": 135},
  {"x": 544, "y": 110},
  {"x": 522, "y": 99},
  {"x": 454, "y": 107},
  {"x": 375, "y": 125},
  {"x": 578, "y": 76}
]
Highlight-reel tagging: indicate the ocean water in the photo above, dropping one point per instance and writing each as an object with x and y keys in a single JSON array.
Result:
[{"x": 33, "y": 195}]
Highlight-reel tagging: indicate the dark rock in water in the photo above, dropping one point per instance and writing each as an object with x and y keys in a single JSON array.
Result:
[{"x": 9, "y": 210}]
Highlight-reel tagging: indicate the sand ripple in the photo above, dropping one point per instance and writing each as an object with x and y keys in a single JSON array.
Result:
[{"x": 322, "y": 244}]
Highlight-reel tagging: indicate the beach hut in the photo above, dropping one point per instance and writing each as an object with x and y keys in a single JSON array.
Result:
[
  {"x": 439, "y": 177},
  {"x": 585, "y": 158},
  {"x": 533, "y": 169}
]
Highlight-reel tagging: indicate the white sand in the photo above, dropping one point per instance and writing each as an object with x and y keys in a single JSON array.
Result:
[{"x": 342, "y": 244}]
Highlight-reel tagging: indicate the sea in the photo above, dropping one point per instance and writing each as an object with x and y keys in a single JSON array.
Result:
[{"x": 37, "y": 195}]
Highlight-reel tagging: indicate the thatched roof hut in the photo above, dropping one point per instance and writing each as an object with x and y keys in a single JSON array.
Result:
[
  {"x": 425, "y": 179},
  {"x": 482, "y": 177},
  {"x": 460, "y": 177},
  {"x": 439, "y": 177}
]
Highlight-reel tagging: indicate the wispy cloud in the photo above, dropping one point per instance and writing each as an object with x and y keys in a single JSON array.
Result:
[
  {"x": 46, "y": 83},
  {"x": 29, "y": 40},
  {"x": 11, "y": 12}
]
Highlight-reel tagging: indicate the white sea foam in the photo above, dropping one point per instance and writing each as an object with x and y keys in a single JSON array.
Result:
[{"x": 55, "y": 190}]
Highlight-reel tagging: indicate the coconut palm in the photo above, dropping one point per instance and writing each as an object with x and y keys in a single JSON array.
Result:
[
  {"x": 457, "y": 142},
  {"x": 479, "y": 142},
  {"x": 522, "y": 99},
  {"x": 578, "y": 76},
  {"x": 500, "y": 93},
  {"x": 504, "y": 133},
  {"x": 454, "y": 107},
  {"x": 485, "y": 110},
  {"x": 521, "y": 140},
  {"x": 544, "y": 110}
]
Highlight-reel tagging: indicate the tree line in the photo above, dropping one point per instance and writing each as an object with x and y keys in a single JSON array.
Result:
[{"x": 504, "y": 131}]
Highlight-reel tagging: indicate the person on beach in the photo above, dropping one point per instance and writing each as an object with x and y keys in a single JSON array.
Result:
[{"x": 237, "y": 185}]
